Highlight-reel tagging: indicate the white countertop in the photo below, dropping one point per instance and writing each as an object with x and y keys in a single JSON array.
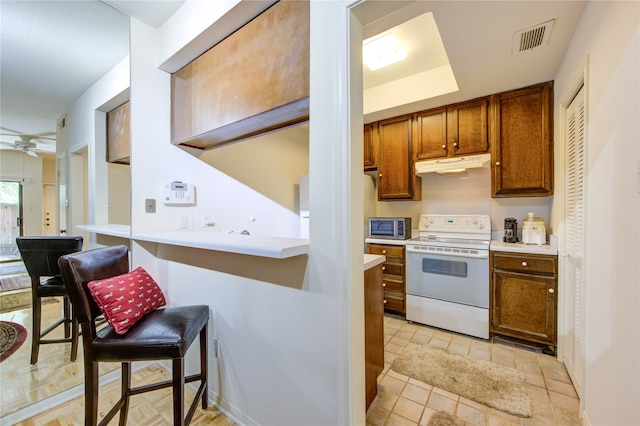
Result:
[
  {"x": 112, "y": 229},
  {"x": 371, "y": 260},
  {"x": 274, "y": 247},
  {"x": 497, "y": 245}
]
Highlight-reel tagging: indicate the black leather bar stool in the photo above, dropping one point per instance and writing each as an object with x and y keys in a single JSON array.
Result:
[
  {"x": 163, "y": 334},
  {"x": 40, "y": 256}
]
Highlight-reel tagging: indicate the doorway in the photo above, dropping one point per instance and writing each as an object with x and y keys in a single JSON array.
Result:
[
  {"x": 10, "y": 219},
  {"x": 49, "y": 211},
  {"x": 574, "y": 239}
]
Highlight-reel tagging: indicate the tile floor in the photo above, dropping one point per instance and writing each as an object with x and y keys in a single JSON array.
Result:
[
  {"x": 405, "y": 401},
  {"x": 400, "y": 400}
]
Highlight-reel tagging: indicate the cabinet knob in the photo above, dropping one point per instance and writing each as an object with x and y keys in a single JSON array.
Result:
[
  {"x": 380, "y": 175},
  {"x": 455, "y": 144},
  {"x": 551, "y": 291},
  {"x": 384, "y": 252},
  {"x": 384, "y": 301},
  {"x": 497, "y": 163},
  {"x": 384, "y": 284},
  {"x": 525, "y": 264},
  {"x": 384, "y": 268},
  {"x": 444, "y": 146}
]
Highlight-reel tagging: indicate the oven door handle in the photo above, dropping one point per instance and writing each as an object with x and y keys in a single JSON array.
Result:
[{"x": 448, "y": 251}]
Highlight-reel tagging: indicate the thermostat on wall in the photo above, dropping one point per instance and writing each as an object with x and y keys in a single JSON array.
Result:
[{"x": 178, "y": 192}]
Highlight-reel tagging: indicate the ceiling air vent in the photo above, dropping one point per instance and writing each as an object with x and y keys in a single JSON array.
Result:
[{"x": 532, "y": 37}]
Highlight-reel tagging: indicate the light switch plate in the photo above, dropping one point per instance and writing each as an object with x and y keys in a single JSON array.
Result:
[{"x": 150, "y": 205}]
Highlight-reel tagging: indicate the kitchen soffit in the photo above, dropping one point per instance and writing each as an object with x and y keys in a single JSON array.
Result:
[
  {"x": 478, "y": 37},
  {"x": 424, "y": 73}
]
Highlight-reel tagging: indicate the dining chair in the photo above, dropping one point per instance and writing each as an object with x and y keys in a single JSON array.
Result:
[
  {"x": 99, "y": 282},
  {"x": 40, "y": 257}
]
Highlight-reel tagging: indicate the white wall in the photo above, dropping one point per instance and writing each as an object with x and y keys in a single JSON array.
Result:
[
  {"x": 278, "y": 349},
  {"x": 85, "y": 135},
  {"x": 271, "y": 164},
  {"x": 119, "y": 184},
  {"x": 607, "y": 40},
  {"x": 468, "y": 193}
]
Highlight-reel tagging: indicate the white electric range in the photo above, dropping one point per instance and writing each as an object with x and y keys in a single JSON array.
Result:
[{"x": 448, "y": 273}]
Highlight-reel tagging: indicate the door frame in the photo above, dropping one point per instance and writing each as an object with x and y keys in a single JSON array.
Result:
[{"x": 19, "y": 216}]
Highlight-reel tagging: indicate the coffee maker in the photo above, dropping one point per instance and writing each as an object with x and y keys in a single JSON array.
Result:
[{"x": 510, "y": 230}]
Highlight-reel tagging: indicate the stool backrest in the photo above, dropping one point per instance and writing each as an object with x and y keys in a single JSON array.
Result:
[
  {"x": 79, "y": 268},
  {"x": 40, "y": 254}
]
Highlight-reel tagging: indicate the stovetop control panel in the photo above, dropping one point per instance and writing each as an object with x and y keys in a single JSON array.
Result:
[{"x": 454, "y": 224}]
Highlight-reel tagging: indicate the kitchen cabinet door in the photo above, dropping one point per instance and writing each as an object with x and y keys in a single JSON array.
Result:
[
  {"x": 371, "y": 146},
  {"x": 454, "y": 130},
  {"x": 522, "y": 142},
  {"x": 431, "y": 134},
  {"x": 396, "y": 177},
  {"x": 467, "y": 128},
  {"x": 524, "y": 297}
]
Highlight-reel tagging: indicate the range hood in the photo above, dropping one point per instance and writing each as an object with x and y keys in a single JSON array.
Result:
[{"x": 453, "y": 165}]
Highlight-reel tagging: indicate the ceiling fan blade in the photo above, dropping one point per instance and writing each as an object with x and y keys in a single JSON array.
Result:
[{"x": 31, "y": 153}]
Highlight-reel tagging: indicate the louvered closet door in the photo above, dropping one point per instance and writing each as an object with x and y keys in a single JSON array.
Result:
[{"x": 573, "y": 353}]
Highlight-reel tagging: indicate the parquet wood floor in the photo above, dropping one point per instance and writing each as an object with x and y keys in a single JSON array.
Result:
[
  {"x": 152, "y": 408},
  {"x": 24, "y": 384}
]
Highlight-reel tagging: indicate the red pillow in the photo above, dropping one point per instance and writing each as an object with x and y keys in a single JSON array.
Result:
[{"x": 126, "y": 298}]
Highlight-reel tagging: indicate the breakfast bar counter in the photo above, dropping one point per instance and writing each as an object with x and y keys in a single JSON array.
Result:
[{"x": 262, "y": 246}]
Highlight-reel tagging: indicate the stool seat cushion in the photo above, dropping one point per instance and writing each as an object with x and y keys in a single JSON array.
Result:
[
  {"x": 165, "y": 333},
  {"x": 53, "y": 286}
]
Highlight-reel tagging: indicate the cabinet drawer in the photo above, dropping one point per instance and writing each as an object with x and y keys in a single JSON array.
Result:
[
  {"x": 393, "y": 269},
  {"x": 386, "y": 250},
  {"x": 393, "y": 283},
  {"x": 394, "y": 302},
  {"x": 540, "y": 265}
]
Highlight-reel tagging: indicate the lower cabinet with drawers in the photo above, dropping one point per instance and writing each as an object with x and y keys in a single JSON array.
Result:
[
  {"x": 393, "y": 279},
  {"x": 523, "y": 296}
]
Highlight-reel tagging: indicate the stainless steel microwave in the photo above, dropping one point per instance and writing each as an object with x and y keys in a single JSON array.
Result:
[{"x": 392, "y": 228}]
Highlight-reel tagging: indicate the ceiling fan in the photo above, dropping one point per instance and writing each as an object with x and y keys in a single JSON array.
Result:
[{"x": 25, "y": 144}]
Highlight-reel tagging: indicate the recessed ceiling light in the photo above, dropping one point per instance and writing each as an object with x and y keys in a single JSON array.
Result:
[{"x": 382, "y": 51}]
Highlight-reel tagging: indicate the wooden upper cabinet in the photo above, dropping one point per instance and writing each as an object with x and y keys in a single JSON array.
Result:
[
  {"x": 396, "y": 177},
  {"x": 454, "y": 130},
  {"x": 430, "y": 133},
  {"x": 254, "y": 81},
  {"x": 467, "y": 127},
  {"x": 522, "y": 142},
  {"x": 119, "y": 134},
  {"x": 371, "y": 146}
]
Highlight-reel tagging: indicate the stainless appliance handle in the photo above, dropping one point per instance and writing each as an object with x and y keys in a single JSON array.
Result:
[{"x": 448, "y": 251}]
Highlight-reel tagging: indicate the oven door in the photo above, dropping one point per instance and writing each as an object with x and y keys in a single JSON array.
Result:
[{"x": 452, "y": 278}]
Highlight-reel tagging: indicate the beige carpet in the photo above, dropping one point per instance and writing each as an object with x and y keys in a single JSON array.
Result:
[
  {"x": 488, "y": 383},
  {"x": 442, "y": 418}
]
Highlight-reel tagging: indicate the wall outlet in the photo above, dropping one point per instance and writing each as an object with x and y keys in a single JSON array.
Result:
[
  {"x": 206, "y": 222},
  {"x": 214, "y": 346},
  {"x": 150, "y": 205},
  {"x": 183, "y": 222}
]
